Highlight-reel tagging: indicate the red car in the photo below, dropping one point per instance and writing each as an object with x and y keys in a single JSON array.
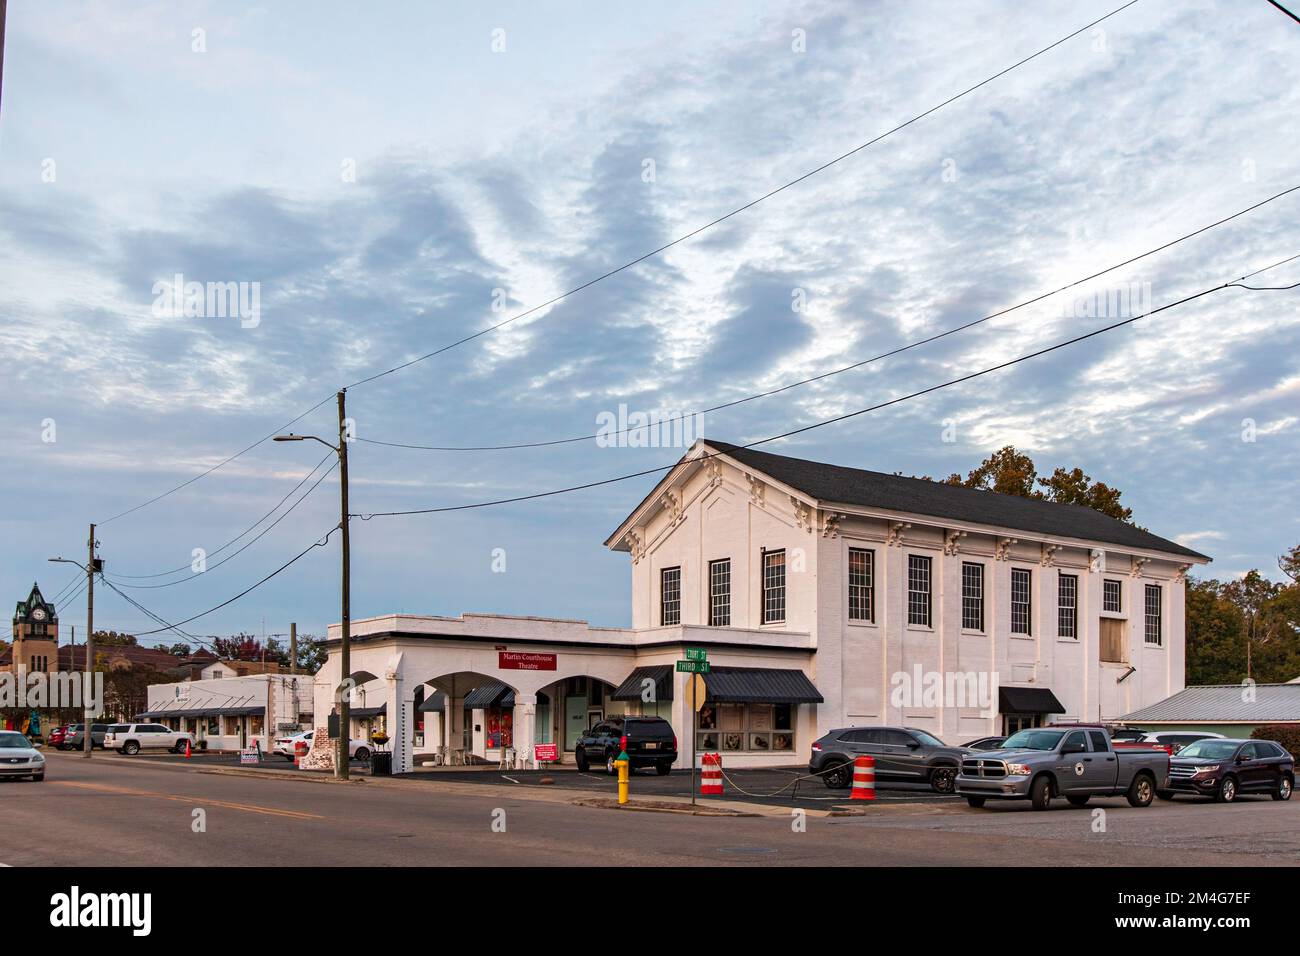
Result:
[{"x": 55, "y": 739}]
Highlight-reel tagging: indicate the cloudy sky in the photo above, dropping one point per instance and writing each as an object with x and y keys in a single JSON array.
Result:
[{"x": 394, "y": 177}]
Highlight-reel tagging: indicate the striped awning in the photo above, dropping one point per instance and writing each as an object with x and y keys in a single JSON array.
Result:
[
  {"x": 634, "y": 685},
  {"x": 760, "y": 685},
  {"x": 434, "y": 703},
  {"x": 492, "y": 694}
]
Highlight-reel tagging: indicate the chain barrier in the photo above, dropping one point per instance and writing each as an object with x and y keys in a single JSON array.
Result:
[{"x": 793, "y": 783}]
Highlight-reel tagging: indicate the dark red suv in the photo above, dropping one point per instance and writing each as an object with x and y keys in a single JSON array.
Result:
[{"x": 1225, "y": 769}]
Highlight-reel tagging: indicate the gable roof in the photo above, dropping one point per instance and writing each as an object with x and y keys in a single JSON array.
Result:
[
  {"x": 1273, "y": 703},
  {"x": 838, "y": 484}
]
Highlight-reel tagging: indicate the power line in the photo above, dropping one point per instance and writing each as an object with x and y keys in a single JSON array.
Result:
[
  {"x": 1285, "y": 10},
  {"x": 806, "y": 428},
  {"x": 846, "y": 368},
  {"x": 187, "y": 567},
  {"x": 642, "y": 258}
]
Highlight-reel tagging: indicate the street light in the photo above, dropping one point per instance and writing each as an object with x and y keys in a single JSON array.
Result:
[
  {"x": 87, "y": 687},
  {"x": 345, "y": 653}
]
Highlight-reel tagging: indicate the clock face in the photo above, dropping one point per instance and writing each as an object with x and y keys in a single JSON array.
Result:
[{"x": 38, "y": 614}]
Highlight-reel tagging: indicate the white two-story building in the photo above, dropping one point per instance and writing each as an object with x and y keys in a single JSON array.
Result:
[{"x": 823, "y": 596}]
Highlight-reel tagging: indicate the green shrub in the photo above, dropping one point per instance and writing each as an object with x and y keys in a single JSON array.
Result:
[{"x": 1288, "y": 735}]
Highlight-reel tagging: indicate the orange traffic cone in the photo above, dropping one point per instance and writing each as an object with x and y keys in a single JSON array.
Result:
[
  {"x": 864, "y": 779},
  {"x": 711, "y": 775},
  {"x": 187, "y": 748}
]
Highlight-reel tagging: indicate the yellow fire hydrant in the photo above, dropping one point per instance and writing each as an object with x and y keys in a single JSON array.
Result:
[{"x": 622, "y": 763}]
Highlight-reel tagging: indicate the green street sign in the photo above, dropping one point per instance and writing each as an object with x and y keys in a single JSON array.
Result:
[
  {"x": 696, "y": 654},
  {"x": 693, "y": 667}
]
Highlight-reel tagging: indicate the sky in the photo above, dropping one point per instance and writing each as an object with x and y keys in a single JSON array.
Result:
[{"x": 385, "y": 180}]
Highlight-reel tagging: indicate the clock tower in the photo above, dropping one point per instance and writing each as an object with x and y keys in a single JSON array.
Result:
[{"x": 35, "y": 635}]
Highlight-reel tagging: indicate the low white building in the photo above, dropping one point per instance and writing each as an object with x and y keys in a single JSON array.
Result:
[
  {"x": 824, "y": 596},
  {"x": 230, "y": 713}
]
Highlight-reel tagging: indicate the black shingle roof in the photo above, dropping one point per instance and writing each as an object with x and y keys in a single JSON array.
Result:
[{"x": 873, "y": 489}]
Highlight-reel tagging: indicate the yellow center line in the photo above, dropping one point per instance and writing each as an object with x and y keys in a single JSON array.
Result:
[{"x": 193, "y": 801}]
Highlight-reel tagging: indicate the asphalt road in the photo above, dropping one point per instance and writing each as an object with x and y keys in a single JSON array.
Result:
[{"x": 113, "y": 811}]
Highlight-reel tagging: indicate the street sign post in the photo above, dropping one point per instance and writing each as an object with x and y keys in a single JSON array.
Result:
[
  {"x": 695, "y": 664},
  {"x": 693, "y": 667}
]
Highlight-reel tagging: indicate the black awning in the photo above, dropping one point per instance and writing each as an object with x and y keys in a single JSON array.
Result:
[
  {"x": 1028, "y": 700},
  {"x": 246, "y": 710},
  {"x": 434, "y": 703},
  {"x": 760, "y": 685},
  {"x": 633, "y": 685},
  {"x": 492, "y": 694},
  {"x": 368, "y": 711}
]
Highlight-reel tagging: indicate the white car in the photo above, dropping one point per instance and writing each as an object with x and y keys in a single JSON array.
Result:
[
  {"x": 132, "y": 738},
  {"x": 284, "y": 746},
  {"x": 18, "y": 758},
  {"x": 1176, "y": 740}
]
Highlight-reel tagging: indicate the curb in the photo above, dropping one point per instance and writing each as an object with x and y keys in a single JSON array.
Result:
[{"x": 611, "y": 803}]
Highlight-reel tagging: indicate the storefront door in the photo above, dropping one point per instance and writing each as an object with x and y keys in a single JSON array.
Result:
[{"x": 575, "y": 719}]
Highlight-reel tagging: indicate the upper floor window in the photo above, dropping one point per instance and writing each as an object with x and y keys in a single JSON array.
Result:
[
  {"x": 670, "y": 596},
  {"x": 862, "y": 584},
  {"x": 773, "y": 587},
  {"x": 918, "y": 590},
  {"x": 1021, "y": 601},
  {"x": 972, "y": 596},
  {"x": 1152, "y": 630},
  {"x": 1067, "y": 605},
  {"x": 1112, "y": 596},
  {"x": 720, "y": 593}
]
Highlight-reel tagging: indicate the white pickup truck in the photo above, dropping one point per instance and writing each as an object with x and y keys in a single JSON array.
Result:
[{"x": 132, "y": 738}]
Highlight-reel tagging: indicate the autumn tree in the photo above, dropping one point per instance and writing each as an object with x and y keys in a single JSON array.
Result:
[{"x": 1011, "y": 472}]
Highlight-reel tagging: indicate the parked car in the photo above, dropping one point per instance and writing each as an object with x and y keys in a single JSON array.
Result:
[
  {"x": 73, "y": 738},
  {"x": 901, "y": 754},
  {"x": 647, "y": 741},
  {"x": 1176, "y": 740},
  {"x": 1223, "y": 768},
  {"x": 1128, "y": 734},
  {"x": 18, "y": 758},
  {"x": 1075, "y": 762},
  {"x": 55, "y": 739},
  {"x": 130, "y": 739},
  {"x": 984, "y": 743},
  {"x": 284, "y": 746}
]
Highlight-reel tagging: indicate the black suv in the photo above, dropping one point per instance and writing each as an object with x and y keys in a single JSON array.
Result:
[
  {"x": 648, "y": 742},
  {"x": 1223, "y": 769},
  {"x": 902, "y": 753}
]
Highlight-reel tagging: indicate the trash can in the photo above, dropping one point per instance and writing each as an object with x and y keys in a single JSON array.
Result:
[{"x": 381, "y": 763}]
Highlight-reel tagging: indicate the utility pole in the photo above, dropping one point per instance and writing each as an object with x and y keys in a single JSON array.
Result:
[
  {"x": 343, "y": 691},
  {"x": 345, "y": 650},
  {"x": 293, "y": 648},
  {"x": 88, "y": 744}
]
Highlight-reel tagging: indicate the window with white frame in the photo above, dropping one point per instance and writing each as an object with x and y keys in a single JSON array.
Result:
[
  {"x": 1067, "y": 605},
  {"x": 757, "y": 728},
  {"x": 862, "y": 584},
  {"x": 918, "y": 590},
  {"x": 1021, "y": 601},
  {"x": 773, "y": 587},
  {"x": 1112, "y": 596},
  {"x": 1152, "y": 630},
  {"x": 720, "y": 593},
  {"x": 670, "y": 596},
  {"x": 972, "y": 596}
]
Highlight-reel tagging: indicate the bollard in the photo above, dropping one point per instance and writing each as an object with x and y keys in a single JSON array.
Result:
[
  {"x": 711, "y": 775},
  {"x": 623, "y": 774},
  {"x": 864, "y": 779},
  {"x": 299, "y": 751}
]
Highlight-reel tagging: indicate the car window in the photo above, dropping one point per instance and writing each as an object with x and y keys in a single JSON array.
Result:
[
  {"x": 117, "y": 728},
  {"x": 1099, "y": 743},
  {"x": 1074, "y": 739},
  {"x": 898, "y": 738},
  {"x": 865, "y": 736},
  {"x": 1249, "y": 752},
  {"x": 929, "y": 740}
]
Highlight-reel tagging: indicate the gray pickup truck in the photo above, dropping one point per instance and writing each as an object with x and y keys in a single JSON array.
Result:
[{"x": 1074, "y": 762}]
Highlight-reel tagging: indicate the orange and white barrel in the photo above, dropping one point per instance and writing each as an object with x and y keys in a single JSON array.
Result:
[
  {"x": 711, "y": 775},
  {"x": 864, "y": 779}
]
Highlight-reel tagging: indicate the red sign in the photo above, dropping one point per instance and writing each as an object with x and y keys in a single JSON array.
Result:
[
  {"x": 519, "y": 661},
  {"x": 543, "y": 753}
]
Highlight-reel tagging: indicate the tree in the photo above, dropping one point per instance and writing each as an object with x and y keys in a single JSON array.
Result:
[
  {"x": 1011, "y": 472},
  {"x": 241, "y": 647},
  {"x": 114, "y": 639},
  {"x": 311, "y": 654},
  {"x": 1253, "y": 595},
  {"x": 1075, "y": 488},
  {"x": 1290, "y": 564},
  {"x": 177, "y": 650},
  {"x": 1006, "y": 471},
  {"x": 1244, "y": 628},
  {"x": 1216, "y": 645}
]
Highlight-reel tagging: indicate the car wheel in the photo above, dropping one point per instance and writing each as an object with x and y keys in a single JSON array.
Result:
[
  {"x": 580, "y": 759},
  {"x": 1227, "y": 791},
  {"x": 362, "y": 754},
  {"x": 975, "y": 802},
  {"x": 1078, "y": 799},
  {"x": 1165, "y": 794},
  {"x": 840, "y": 777},
  {"x": 664, "y": 769},
  {"x": 1283, "y": 789},
  {"x": 1141, "y": 791},
  {"x": 131, "y": 749},
  {"x": 943, "y": 780},
  {"x": 1040, "y": 793}
]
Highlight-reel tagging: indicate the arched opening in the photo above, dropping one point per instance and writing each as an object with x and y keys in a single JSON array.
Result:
[
  {"x": 573, "y": 704},
  {"x": 464, "y": 718}
]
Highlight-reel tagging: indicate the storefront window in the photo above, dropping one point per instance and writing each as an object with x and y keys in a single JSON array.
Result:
[
  {"x": 255, "y": 725},
  {"x": 753, "y": 728},
  {"x": 500, "y": 728},
  {"x": 214, "y": 727}
]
